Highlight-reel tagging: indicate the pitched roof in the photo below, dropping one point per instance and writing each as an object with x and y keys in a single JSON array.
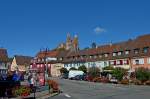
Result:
[
  {"x": 23, "y": 60},
  {"x": 3, "y": 55},
  {"x": 49, "y": 53},
  {"x": 140, "y": 42}
]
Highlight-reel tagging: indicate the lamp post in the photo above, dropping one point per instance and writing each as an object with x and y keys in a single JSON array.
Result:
[{"x": 45, "y": 65}]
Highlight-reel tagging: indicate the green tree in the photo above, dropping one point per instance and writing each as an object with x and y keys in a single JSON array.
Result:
[
  {"x": 83, "y": 68},
  {"x": 119, "y": 73},
  {"x": 63, "y": 70},
  {"x": 72, "y": 68},
  {"x": 142, "y": 74},
  {"x": 94, "y": 71}
]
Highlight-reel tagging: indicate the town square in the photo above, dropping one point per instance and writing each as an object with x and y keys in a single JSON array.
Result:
[{"x": 92, "y": 49}]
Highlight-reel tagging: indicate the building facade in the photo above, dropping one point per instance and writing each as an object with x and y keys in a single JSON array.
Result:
[
  {"x": 129, "y": 54},
  {"x": 4, "y": 61},
  {"x": 20, "y": 63}
]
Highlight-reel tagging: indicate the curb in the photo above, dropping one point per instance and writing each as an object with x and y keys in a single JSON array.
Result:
[{"x": 47, "y": 96}]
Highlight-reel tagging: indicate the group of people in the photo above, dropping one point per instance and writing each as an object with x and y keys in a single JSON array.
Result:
[
  {"x": 8, "y": 81},
  {"x": 10, "y": 77}
]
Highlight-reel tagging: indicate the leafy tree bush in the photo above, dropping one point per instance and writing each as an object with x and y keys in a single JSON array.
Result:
[
  {"x": 94, "y": 72},
  {"x": 63, "y": 70},
  {"x": 118, "y": 73},
  {"x": 72, "y": 68},
  {"x": 142, "y": 74},
  {"x": 83, "y": 68}
]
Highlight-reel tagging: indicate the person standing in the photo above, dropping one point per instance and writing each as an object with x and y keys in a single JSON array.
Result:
[{"x": 32, "y": 83}]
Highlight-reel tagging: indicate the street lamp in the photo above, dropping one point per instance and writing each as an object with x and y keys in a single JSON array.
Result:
[{"x": 45, "y": 65}]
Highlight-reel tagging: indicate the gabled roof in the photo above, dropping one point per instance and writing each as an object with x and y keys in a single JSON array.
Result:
[
  {"x": 49, "y": 53},
  {"x": 23, "y": 60}
]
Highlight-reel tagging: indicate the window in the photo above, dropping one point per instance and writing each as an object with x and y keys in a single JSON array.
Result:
[
  {"x": 118, "y": 62},
  {"x": 39, "y": 60},
  {"x": 90, "y": 56},
  {"x": 119, "y": 53},
  {"x": 113, "y": 62},
  {"x": 127, "y": 52},
  {"x": 42, "y": 59},
  {"x": 106, "y": 55},
  {"x": 100, "y": 56},
  {"x": 95, "y": 56},
  {"x": 145, "y": 49},
  {"x": 148, "y": 60},
  {"x": 61, "y": 58},
  {"x": 125, "y": 62},
  {"x": 138, "y": 61},
  {"x": 114, "y": 54},
  {"x": 136, "y": 51}
]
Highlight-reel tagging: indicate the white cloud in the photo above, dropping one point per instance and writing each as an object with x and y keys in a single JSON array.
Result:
[{"x": 99, "y": 30}]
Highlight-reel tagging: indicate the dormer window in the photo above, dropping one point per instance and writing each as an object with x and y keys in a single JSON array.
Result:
[
  {"x": 136, "y": 51},
  {"x": 100, "y": 56},
  {"x": 145, "y": 49},
  {"x": 106, "y": 55},
  {"x": 114, "y": 54},
  {"x": 119, "y": 53},
  {"x": 127, "y": 52},
  {"x": 61, "y": 58},
  {"x": 90, "y": 56},
  {"x": 95, "y": 56}
]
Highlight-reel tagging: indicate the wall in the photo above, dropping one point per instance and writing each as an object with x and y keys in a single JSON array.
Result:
[{"x": 55, "y": 69}]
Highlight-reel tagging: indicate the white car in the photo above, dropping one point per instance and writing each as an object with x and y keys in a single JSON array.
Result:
[{"x": 73, "y": 73}]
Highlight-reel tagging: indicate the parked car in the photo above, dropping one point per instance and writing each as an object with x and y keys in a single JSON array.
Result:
[
  {"x": 79, "y": 77},
  {"x": 73, "y": 73}
]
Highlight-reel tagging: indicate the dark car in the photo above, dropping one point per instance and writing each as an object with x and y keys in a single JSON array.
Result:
[{"x": 80, "y": 77}]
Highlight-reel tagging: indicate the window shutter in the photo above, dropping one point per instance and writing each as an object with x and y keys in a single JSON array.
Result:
[
  {"x": 127, "y": 62},
  {"x": 121, "y": 62}
]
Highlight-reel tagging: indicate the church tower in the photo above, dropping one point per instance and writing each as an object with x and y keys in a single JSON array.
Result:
[
  {"x": 75, "y": 43},
  {"x": 68, "y": 42}
]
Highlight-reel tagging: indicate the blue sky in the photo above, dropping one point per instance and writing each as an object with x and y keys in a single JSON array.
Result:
[{"x": 26, "y": 26}]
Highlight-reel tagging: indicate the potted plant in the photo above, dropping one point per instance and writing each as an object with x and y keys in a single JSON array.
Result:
[{"x": 21, "y": 91}]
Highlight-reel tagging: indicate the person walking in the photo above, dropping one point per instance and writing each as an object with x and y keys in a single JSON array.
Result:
[{"x": 32, "y": 83}]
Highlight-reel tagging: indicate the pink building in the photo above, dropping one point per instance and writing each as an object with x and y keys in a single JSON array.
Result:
[{"x": 140, "y": 62}]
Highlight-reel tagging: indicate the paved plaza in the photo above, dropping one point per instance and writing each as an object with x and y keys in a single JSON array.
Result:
[{"x": 89, "y": 90}]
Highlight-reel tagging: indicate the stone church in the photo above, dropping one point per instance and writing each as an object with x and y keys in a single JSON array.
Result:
[{"x": 71, "y": 44}]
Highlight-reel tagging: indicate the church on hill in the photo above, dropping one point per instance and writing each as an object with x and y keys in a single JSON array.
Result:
[{"x": 71, "y": 44}]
